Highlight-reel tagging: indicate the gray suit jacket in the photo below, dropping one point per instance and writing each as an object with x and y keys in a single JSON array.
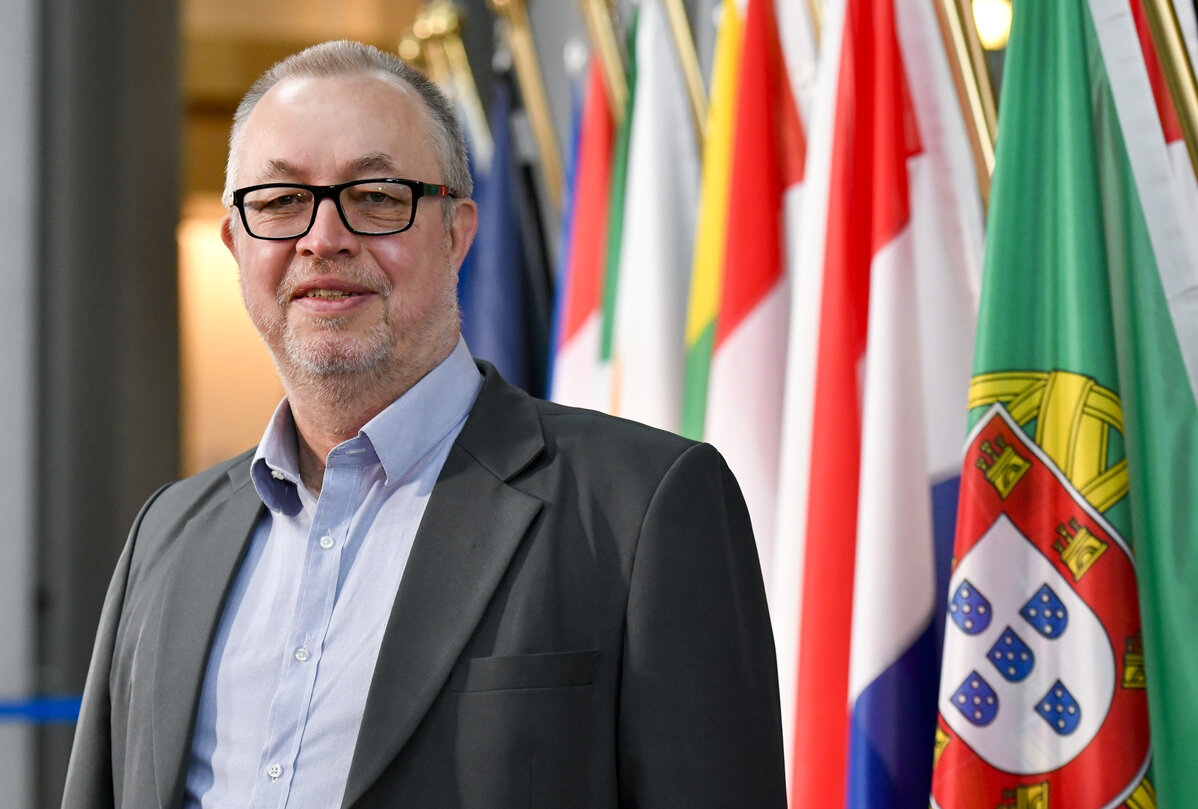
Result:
[{"x": 581, "y": 623}]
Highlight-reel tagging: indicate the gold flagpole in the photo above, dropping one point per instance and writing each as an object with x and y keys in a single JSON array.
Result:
[
  {"x": 532, "y": 89},
  {"x": 435, "y": 63},
  {"x": 606, "y": 47},
  {"x": 411, "y": 50},
  {"x": 1178, "y": 70},
  {"x": 815, "y": 10},
  {"x": 446, "y": 22},
  {"x": 972, "y": 79},
  {"x": 689, "y": 58}
]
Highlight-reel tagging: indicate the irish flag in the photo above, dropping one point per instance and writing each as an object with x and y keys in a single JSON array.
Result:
[
  {"x": 1069, "y": 675},
  {"x": 882, "y": 325}
]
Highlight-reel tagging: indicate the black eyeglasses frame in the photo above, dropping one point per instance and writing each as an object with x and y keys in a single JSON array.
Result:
[{"x": 333, "y": 192}]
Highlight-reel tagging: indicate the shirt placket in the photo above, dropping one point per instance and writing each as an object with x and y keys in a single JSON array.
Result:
[{"x": 316, "y": 597}]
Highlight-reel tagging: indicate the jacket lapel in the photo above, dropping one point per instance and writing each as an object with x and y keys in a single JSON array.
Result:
[
  {"x": 471, "y": 527},
  {"x": 212, "y": 545}
]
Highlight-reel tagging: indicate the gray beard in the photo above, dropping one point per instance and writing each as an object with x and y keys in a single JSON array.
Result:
[{"x": 322, "y": 357}]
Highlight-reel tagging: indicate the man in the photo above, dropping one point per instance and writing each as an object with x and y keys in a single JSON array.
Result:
[{"x": 423, "y": 588}]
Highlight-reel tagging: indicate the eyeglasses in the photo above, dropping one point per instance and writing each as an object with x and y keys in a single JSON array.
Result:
[{"x": 280, "y": 211}]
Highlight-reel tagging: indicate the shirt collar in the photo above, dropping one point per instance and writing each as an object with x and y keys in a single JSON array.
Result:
[{"x": 403, "y": 433}]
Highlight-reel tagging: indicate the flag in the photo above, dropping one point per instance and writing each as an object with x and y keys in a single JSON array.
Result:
[
  {"x": 883, "y": 313},
  {"x": 1079, "y": 474},
  {"x": 712, "y": 227},
  {"x": 661, "y": 193},
  {"x": 744, "y": 410},
  {"x": 561, "y": 260},
  {"x": 615, "y": 226},
  {"x": 580, "y": 285},
  {"x": 505, "y": 297}
]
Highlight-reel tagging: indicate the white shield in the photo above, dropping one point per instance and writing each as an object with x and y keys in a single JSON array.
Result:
[{"x": 1019, "y": 720}]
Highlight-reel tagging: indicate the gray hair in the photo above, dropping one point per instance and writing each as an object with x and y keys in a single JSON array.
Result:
[{"x": 347, "y": 58}]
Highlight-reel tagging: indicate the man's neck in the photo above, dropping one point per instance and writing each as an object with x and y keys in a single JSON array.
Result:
[{"x": 330, "y": 410}]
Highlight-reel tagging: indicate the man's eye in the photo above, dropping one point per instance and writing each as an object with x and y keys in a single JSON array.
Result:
[
  {"x": 279, "y": 201},
  {"x": 284, "y": 201}
]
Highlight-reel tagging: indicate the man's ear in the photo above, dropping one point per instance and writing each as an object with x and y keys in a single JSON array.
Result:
[
  {"x": 226, "y": 234},
  {"x": 462, "y": 230}
]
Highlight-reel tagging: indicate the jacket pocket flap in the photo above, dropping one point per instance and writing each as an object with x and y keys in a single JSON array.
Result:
[{"x": 551, "y": 670}]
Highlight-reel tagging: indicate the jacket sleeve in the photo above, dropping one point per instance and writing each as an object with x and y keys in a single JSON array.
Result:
[
  {"x": 89, "y": 783},
  {"x": 699, "y": 723}
]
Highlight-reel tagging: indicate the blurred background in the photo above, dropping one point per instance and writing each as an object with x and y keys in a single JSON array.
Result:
[{"x": 127, "y": 360}]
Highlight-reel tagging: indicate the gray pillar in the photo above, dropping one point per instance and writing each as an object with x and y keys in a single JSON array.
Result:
[
  {"x": 107, "y": 395},
  {"x": 18, "y": 276}
]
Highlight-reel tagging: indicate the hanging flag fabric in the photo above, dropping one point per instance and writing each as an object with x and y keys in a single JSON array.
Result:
[
  {"x": 660, "y": 198},
  {"x": 1079, "y": 475},
  {"x": 504, "y": 299},
  {"x": 744, "y": 408},
  {"x": 712, "y": 227},
  {"x": 881, "y": 369},
  {"x": 612, "y": 251},
  {"x": 576, "y": 347},
  {"x": 561, "y": 261}
]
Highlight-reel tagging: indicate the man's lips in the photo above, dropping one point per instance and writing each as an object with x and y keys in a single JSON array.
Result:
[{"x": 330, "y": 296}]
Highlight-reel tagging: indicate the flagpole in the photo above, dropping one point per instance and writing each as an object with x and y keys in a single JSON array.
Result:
[
  {"x": 597, "y": 14},
  {"x": 815, "y": 11},
  {"x": 532, "y": 90},
  {"x": 972, "y": 79},
  {"x": 447, "y": 29},
  {"x": 690, "y": 65},
  {"x": 1178, "y": 70},
  {"x": 411, "y": 51},
  {"x": 435, "y": 63}
]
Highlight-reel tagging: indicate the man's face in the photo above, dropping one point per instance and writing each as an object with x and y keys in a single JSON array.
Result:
[{"x": 333, "y": 303}]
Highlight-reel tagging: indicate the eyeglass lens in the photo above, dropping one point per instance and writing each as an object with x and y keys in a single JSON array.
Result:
[{"x": 369, "y": 208}]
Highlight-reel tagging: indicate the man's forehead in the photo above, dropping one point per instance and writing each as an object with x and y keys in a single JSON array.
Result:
[{"x": 369, "y": 122}]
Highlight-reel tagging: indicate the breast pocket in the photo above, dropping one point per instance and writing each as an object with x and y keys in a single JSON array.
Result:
[
  {"x": 550, "y": 670},
  {"x": 525, "y": 730}
]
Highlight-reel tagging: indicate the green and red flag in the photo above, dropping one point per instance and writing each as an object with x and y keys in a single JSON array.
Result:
[{"x": 1070, "y": 673}]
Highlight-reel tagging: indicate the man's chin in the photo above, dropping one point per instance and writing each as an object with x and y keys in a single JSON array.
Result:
[{"x": 338, "y": 356}]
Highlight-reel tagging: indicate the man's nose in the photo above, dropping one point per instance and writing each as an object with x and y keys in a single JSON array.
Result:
[{"x": 328, "y": 235}]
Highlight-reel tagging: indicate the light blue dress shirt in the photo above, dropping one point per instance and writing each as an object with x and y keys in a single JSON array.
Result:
[{"x": 295, "y": 650}]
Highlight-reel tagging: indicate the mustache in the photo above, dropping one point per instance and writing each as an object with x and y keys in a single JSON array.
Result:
[{"x": 300, "y": 275}]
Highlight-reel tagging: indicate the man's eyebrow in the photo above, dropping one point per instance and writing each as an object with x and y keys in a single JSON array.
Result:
[
  {"x": 279, "y": 170},
  {"x": 375, "y": 161}
]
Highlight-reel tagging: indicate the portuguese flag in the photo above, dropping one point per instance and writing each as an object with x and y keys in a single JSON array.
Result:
[{"x": 1070, "y": 672}]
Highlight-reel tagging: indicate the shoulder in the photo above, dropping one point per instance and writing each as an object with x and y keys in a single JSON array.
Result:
[
  {"x": 183, "y": 497},
  {"x": 168, "y": 511},
  {"x": 595, "y": 430}
]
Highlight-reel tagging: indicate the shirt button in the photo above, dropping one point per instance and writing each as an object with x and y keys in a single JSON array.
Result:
[
  {"x": 326, "y": 542},
  {"x": 274, "y": 771},
  {"x": 302, "y": 654},
  {"x": 277, "y": 475}
]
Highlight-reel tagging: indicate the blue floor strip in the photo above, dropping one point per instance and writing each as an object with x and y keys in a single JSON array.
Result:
[{"x": 41, "y": 710}]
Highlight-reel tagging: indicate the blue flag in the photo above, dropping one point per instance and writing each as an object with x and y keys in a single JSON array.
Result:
[{"x": 505, "y": 294}]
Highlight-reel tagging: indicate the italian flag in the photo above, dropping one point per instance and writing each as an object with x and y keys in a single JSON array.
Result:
[
  {"x": 661, "y": 196},
  {"x": 1082, "y": 448}
]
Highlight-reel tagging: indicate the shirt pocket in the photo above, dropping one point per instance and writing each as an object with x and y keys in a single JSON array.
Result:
[{"x": 546, "y": 670}]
